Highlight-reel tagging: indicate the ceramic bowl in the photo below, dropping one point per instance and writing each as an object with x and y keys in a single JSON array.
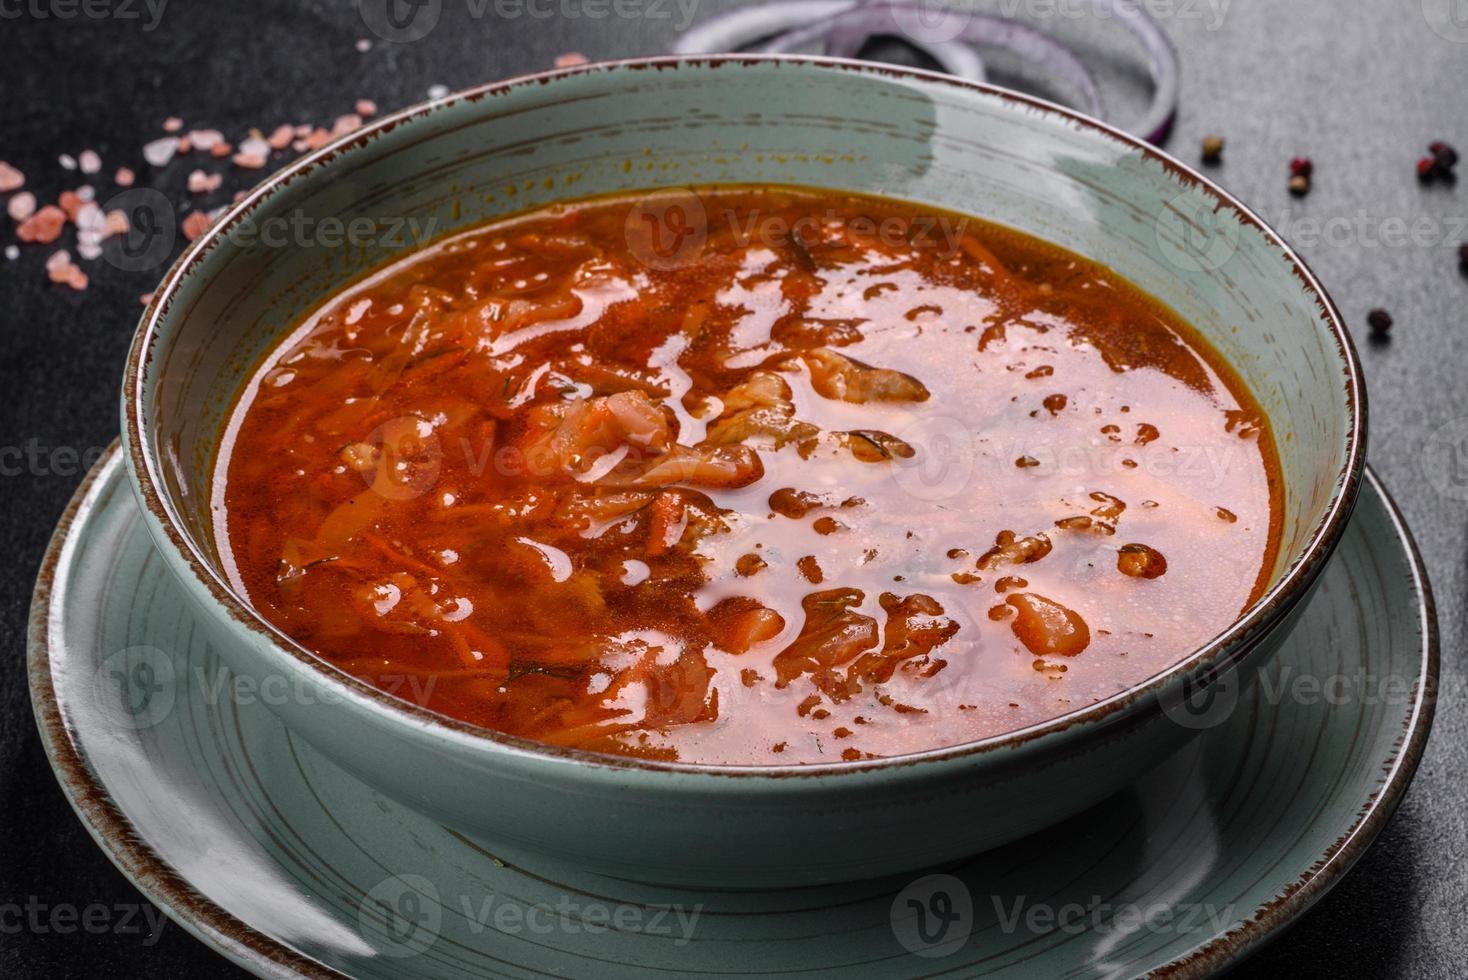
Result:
[{"x": 668, "y": 123}]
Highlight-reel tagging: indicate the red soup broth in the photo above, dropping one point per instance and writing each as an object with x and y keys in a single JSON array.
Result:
[{"x": 759, "y": 476}]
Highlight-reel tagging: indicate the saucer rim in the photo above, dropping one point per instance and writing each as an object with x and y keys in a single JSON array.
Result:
[{"x": 265, "y": 956}]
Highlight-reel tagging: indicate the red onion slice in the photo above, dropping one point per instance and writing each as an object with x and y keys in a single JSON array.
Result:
[
  {"x": 844, "y": 37},
  {"x": 1162, "y": 63},
  {"x": 903, "y": 19},
  {"x": 739, "y": 28},
  {"x": 945, "y": 29}
]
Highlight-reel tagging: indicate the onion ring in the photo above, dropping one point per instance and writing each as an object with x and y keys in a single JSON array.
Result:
[
  {"x": 734, "y": 30},
  {"x": 842, "y": 27},
  {"x": 885, "y": 17}
]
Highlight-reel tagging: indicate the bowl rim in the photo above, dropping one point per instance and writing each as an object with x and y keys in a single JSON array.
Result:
[{"x": 1217, "y": 655}]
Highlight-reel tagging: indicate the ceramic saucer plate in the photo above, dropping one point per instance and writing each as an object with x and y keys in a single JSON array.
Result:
[{"x": 254, "y": 843}]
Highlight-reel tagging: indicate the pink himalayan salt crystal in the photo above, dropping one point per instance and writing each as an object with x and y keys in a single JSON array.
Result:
[
  {"x": 124, "y": 177},
  {"x": 282, "y": 136},
  {"x": 60, "y": 269},
  {"x": 21, "y": 206},
  {"x": 363, "y": 45},
  {"x": 346, "y": 124},
  {"x": 159, "y": 152},
  {"x": 185, "y": 144},
  {"x": 44, "y": 226},
  {"x": 571, "y": 59},
  {"x": 317, "y": 139},
  {"x": 202, "y": 183},
  {"x": 195, "y": 224},
  {"x": 91, "y": 228},
  {"x": 221, "y": 150},
  {"x": 71, "y": 204},
  {"x": 90, "y": 162},
  {"x": 145, "y": 299},
  {"x": 10, "y": 178},
  {"x": 366, "y": 108},
  {"x": 254, "y": 153},
  {"x": 117, "y": 223},
  {"x": 172, "y": 124},
  {"x": 90, "y": 217},
  {"x": 205, "y": 139}
]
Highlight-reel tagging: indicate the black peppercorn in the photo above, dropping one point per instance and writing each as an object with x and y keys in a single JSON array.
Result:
[
  {"x": 1446, "y": 156},
  {"x": 1380, "y": 322}
]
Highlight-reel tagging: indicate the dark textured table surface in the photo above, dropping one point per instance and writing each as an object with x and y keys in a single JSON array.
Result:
[{"x": 1359, "y": 86}]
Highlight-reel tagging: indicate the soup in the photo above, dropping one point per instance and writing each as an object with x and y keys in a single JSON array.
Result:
[{"x": 747, "y": 476}]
